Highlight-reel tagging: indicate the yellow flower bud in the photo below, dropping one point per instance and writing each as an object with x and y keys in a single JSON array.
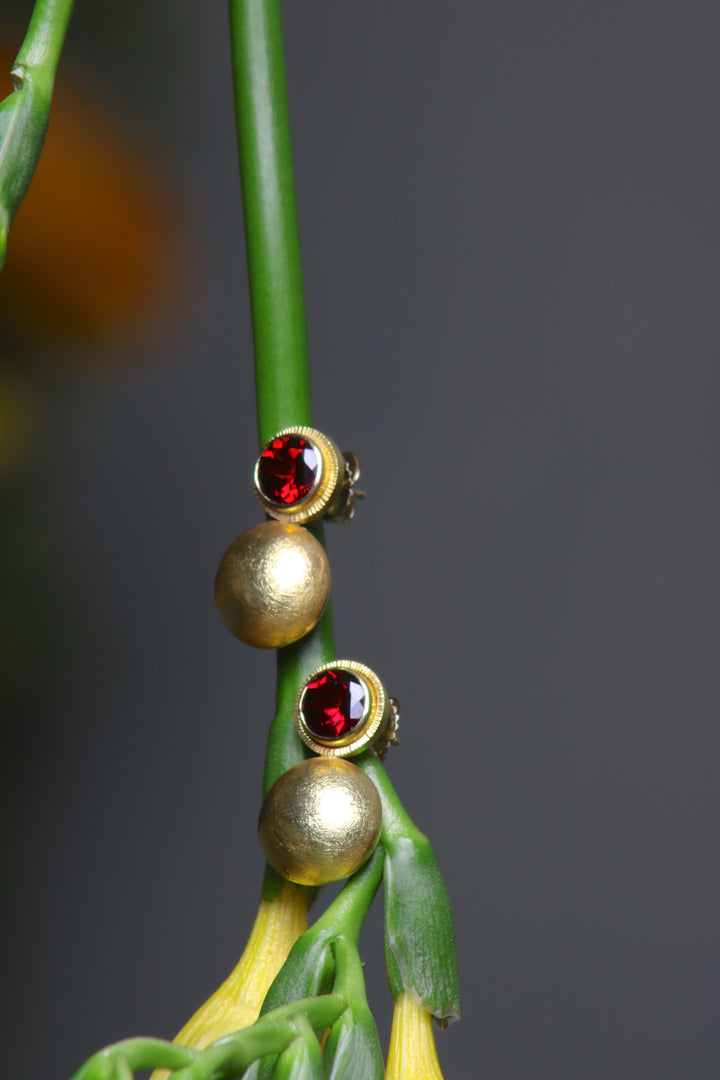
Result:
[
  {"x": 412, "y": 1054},
  {"x": 236, "y": 1003}
]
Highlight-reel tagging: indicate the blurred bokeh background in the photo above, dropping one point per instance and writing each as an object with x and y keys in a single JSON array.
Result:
[{"x": 511, "y": 240}]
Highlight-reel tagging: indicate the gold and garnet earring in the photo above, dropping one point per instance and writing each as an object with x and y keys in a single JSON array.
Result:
[
  {"x": 273, "y": 582},
  {"x": 343, "y": 709},
  {"x": 301, "y": 476},
  {"x": 322, "y": 819}
]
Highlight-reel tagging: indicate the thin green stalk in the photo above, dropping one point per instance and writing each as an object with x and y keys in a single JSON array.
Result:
[
  {"x": 352, "y": 1047},
  {"x": 43, "y": 42},
  {"x": 229, "y": 1056},
  {"x": 420, "y": 955},
  {"x": 349, "y": 979},
  {"x": 310, "y": 965},
  {"x": 349, "y": 908},
  {"x": 282, "y": 374},
  {"x": 271, "y": 225},
  {"x": 295, "y": 664},
  {"x": 24, "y": 115},
  {"x": 270, "y": 1035},
  {"x": 142, "y": 1053},
  {"x": 420, "y": 948}
]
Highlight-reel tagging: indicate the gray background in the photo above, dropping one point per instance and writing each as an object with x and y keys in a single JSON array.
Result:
[{"x": 510, "y": 228}]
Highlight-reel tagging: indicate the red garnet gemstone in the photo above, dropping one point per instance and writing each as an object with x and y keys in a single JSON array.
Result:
[
  {"x": 333, "y": 704},
  {"x": 287, "y": 469}
]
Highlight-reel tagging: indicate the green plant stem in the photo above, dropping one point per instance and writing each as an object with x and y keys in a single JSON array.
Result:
[
  {"x": 229, "y": 1055},
  {"x": 295, "y": 664},
  {"x": 24, "y": 115},
  {"x": 271, "y": 226},
  {"x": 282, "y": 376},
  {"x": 139, "y": 1053},
  {"x": 347, "y": 912},
  {"x": 396, "y": 822},
  {"x": 43, "y": 42},
  {"x": 349, "y": 979},
  {"x": 352, "y": 1048},
  {"x": 283, "y": 400},
  {"x": 310, "y": 965},
  {"x": 268, "y": 1036}
]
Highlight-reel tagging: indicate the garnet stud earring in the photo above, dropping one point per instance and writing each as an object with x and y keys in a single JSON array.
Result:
[
  {"x": 301, "y": 476},
  {"x": 343, "y": 709}
]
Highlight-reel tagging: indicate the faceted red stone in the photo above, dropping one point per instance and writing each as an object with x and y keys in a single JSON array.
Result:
[
  {"x": 333, "y": 704},
  {"x": 287, "y": 469}
]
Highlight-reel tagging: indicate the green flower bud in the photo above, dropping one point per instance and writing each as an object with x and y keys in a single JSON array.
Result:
[
  {"x": 307, "y": 971},
  {"x": 302, "y": 1059},
  {"x": 352, "y": 1050},
  {"x": 420, "y": 953},
  {"x": 419, "y": 938}
]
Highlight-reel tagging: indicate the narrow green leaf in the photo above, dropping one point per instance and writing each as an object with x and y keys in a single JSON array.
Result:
[
  {"x": 419, "y": 937},
  {"x": 420, "y": 955}
]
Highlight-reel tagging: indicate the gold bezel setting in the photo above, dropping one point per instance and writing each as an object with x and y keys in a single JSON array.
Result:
[
  {"x": 327, "y": 486},
  {"x": 370, "y": 727}
]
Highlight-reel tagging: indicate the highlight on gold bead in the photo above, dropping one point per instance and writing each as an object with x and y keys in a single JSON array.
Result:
[
  {"x": 412, "y": 1054},
  {"x": 302, "y": 476},
  {"x": 272, "y": 584},
  {"x": 343, "y": 708},
  {"x": 320, "y": 821},
  {"x": 236, "y": 1003}
]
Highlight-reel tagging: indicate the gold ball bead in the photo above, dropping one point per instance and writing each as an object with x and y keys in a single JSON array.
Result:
[
  {"x": 272, "y": 584},
  {"x": 321, "y": 821}
]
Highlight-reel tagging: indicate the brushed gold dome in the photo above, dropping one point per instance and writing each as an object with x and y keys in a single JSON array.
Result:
[
  {"x": 272, "y": 584},
  {"x": 321, "y": 821}
]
